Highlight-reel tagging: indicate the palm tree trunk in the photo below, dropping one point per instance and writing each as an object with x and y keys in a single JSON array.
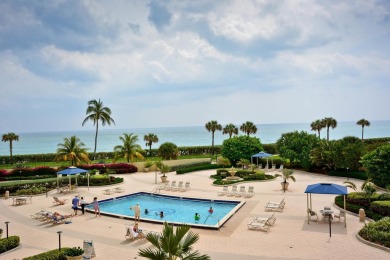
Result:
[
  {"x": 10, "y": 151},
  {"x": 327, "y": 133},
  {"x": 212, "y": 144},
  {"x": 362, "y": 132},
  {"x": 96, "y": 134},
  {"x": 319, "y": 134}
]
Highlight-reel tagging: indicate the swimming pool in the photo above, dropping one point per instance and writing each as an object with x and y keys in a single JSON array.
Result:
[{"x": 177, "y": 210}]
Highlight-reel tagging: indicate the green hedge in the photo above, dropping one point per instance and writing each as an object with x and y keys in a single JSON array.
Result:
[
  {"x": 9, "y": 243},
  {"x": 339, "y": 201},
  {"x": 377, "y": 232},
  {"x": 50, "y": 255},
  {"x": 350, "y": 174},
  {"x": 381, "y": 207},
  {"x": 202, "y": 167}
]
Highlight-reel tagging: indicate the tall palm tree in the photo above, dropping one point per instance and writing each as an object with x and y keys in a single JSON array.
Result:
[
  {"x": 150, "y": 139},
  {"x": 97, "y": 112},
  {"x": 317, "y": 126},
  {"x": 248, "y": 128},
  {"x": 329, "y": 122},
  {"x": 72, "y": 150},
  {"x": 363, "y": 122},
  {"x": 230, "y": 129},
  {"x": 172, "y": 245},
  {"x": 10, "y": 137},
  {"x": 213, "y": 126},
  {"x": 129, "y": 149}
]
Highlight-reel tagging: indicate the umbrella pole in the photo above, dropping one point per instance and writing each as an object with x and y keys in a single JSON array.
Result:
[
  {"x": 345, "y": 213},
  {"x": 307, "y": 210}
]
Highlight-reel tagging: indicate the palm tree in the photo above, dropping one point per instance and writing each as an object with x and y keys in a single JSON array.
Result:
[
  {"x": 97, "y": 112},
  {"x": 72, "y": 150},
  {"x": 363, "y": 122},
  {"x": 129, "y": 149},
  {"x": 172, "y": 245},
  {"x": 213, "y": 126},
  {"x": 150, "y": 139},
  {"x": 329, "y": 122},
  {"x": 317, "y": 126},
  {"x": 367, "y": 189},
  {"x": 230, "y": 129},
  {"x": 10, "y": 137},
  {"x": 248, "y": 128}
]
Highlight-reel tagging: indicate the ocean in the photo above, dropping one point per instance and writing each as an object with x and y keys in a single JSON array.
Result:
[{"x": 108, "y": 137}]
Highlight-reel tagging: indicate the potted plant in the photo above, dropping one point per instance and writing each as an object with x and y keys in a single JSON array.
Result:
[
  {"x": 163, "y": 169},
  {"x": 147, "y": 165},
  {"x": 286, "y": 175},
  {"x": 74, "y": 253}
]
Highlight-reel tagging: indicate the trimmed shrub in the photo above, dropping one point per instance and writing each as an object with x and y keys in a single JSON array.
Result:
[
  {"x": 381, "y": 207},
  {"x": 350, "y": 174},
  {"x": 9, "y": 243},
  {"x": 339, "y": 201},
  {"x": 198, "y": 168},
  {"x": 50, "y": 255},
  {"x": 377, "y": 232},
  {"x": 118, "y": 168},
  {"x": 168, "y": 151}
]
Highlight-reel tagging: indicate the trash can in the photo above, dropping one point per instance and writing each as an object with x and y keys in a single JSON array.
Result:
[
  {"x": 6, "y": 195},
  {"x": 362, "y": 215}
]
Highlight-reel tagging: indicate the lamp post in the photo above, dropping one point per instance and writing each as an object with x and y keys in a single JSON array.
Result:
[
  {"x": 59, "y": 240},
  {"x": 6, "y": 224}
]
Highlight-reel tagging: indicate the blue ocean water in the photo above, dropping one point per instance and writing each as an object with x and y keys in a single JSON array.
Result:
[{"x": 46, "y": 142}]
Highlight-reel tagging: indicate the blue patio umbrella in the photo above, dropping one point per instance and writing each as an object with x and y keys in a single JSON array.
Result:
[
  {"x": 261, "y": 155},
  {"x": 72, "y": 170},
  {"x": 325, "y": 188}
]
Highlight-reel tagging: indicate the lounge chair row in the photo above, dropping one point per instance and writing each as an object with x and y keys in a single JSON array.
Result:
[
  {"x": 113, "y": 190},
  {"x": 237, "y": 193},
  {"x": 174, "y": 187},
  {"x": 275, "y": 206},
  {"x": 55, "y": 218},
  {"x": 262, "y": 223}
]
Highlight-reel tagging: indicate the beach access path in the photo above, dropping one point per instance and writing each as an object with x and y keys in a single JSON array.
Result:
[{"x": 290, "y": 238}]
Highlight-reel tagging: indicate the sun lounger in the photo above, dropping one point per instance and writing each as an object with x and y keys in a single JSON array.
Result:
[
  {"x": 241, "y": 192},
  {"x": 274, "y": 206},
  {"x": 169, "y": 187},
  {"x": 119, "y": 189},
  {"x": 108, "y": 191},
  {"x": 186, "y": 187},
  {"x": 57, "y": 218},
  {"x": 132, "y": 235},
  {"x": 270, "y": 221},
  {"x": 58, "y": 201},
  {"x": 250, "y": 192},
  {"x": 258, "y": 226},
  {"x": 179, "y": 186},
  {"x": 173, "y": 185},
  {"x": 233, "y": 191},
  {"x": 224, "y": 191}
]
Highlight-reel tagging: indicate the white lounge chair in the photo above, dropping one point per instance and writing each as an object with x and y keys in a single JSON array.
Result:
[
  {"x": 250, "y": 192},
  {"x": 312, "y": 214},
  {"x": 169, "y": 187},
  {"x": 58, "y": 201},
  {"x": 270, "y": 221},
  {"x": 224, "y": 191},
  {"x": 186, "y": 187},
  {"x": 274, "y": 206},
  {"x": 173, "y": 186},
  {"x": 340, "y": 215},
  {"x": 241, "y": 192},
  {"x": 258, "y": 226},
  {"x": 179, "y": 186},
  {"x": 131, "y": 234},
  {"x": 233, "y": 191}
]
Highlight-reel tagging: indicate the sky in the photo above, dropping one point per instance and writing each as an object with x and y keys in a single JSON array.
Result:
[{"x": 184, "y": 63}]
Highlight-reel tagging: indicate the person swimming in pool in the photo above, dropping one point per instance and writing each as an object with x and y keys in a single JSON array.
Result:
[
  {"x": 197, "y": 216},
  {"x": 211, "y": 210}
]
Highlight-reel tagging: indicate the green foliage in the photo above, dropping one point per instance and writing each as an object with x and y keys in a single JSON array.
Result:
[
  {"x": 172, "y": 244},
  {"x": 168, "y": 151},
  {"x": 287, "y": 174},
  {"x": 149, "y": 164},
  {"x": 225, "y": 162},
  {"x": 377, "y": 165},
  {"x": 74, "y": 251},
  {"x": 349, "y": 151},
  {"x": 270, "y": 148},
  {"x": 381, "y": 207},
  {"x": 9, "y": 243},
  {"x": 339, "y": 201},
  {"x": 349, "y": 174},
  {"x": 377, "y": 232},
  {"x": 240, "y": 147},
  {"x": 129, "y": 149},
  {"x": 202, "y": 167},
  {"x": 296, "y": 147},
  {"x": 50, "y": 255}
]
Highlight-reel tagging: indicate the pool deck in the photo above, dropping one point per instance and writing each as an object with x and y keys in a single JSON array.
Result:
[{"x": 290, "y": 238}]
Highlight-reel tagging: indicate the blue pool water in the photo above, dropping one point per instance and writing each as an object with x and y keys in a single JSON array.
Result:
[{"x": 176, "y": 210}]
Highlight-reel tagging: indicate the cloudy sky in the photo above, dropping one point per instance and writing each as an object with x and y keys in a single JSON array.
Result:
[{"x": 183, "y": 63}]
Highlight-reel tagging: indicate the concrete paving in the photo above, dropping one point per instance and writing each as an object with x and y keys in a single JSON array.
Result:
[{"x": 290, "y": 238}]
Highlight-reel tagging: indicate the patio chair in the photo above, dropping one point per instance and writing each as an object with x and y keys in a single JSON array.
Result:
[
  {"x": 167, "y": 186},
  {"x": 179, "y": 186},
  {"x": 258, "y": 226},
  {"x": 276, "y": 203},
  {"x": 108, "y": 191},
  {"x": 173, "y": 186},
  {"x": 119, "y": 189},
  {"x": 340, "y": 215},
  {"x": 233, "y": 191},
  {"x": 224, "y": 191},
  {"x": 186, "y": 187},
  {"x": 312, "y": 214},
  {"x": 241, "y": 192},
  {"x": 250, "y": 192},
  {"x": 57, "y": 201},
  {"x": 270, "y": 221}
]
